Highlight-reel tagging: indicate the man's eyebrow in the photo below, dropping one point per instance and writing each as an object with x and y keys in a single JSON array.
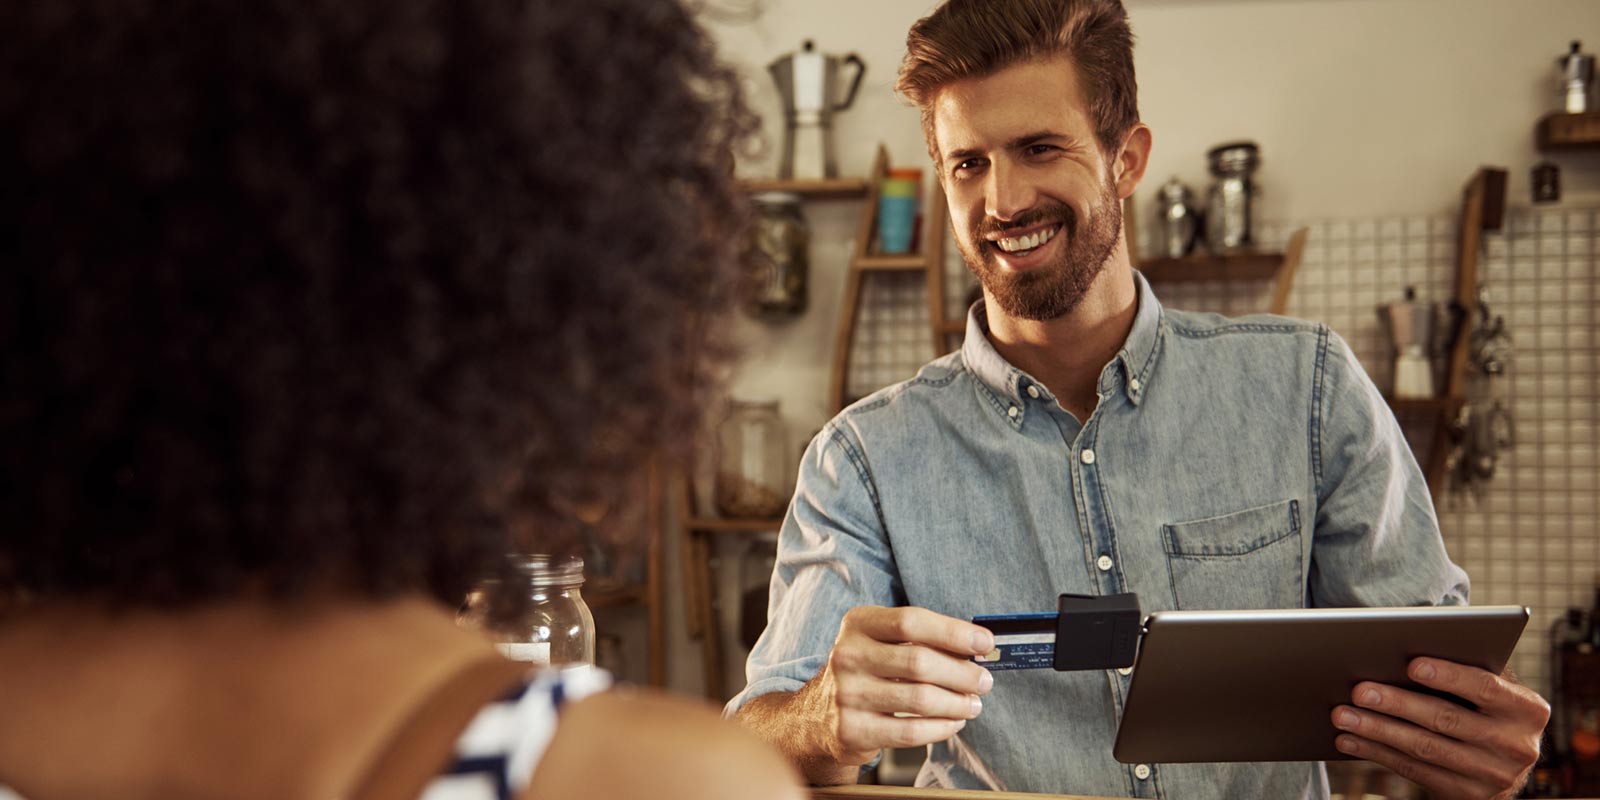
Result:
[{"x": 1016, "y": 143}]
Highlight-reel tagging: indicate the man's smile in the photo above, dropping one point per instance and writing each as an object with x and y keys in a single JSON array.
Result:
[{"x": 1022, "y": 243}]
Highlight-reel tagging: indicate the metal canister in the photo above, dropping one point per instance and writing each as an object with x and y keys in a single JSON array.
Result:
[
  {"x": 777, "y": 255},
  {"x": 1180, "y": 223},
  {"x": 1230, "y": 204}
]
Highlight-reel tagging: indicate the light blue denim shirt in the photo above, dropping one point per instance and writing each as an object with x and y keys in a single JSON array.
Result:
[{"x": 1230, "y": 463}]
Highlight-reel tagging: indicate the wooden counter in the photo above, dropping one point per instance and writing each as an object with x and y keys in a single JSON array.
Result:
[{"x": 910, "y": 793}]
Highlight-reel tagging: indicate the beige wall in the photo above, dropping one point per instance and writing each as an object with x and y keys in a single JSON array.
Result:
[{"x": 1363, "y": 109}]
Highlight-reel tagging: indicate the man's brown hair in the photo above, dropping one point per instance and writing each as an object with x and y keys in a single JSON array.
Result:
[{"x": 973, "y": 38}]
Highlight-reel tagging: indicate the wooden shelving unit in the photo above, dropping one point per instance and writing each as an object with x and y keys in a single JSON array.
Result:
[
  {"x": 1448, "y": 406},
  {"x": 1483, "y": 204},
  {"x": 1241, "y": 267},
  {"x": 1279, "y": 267},
  {"x": 864, "y": 262},
  {"x": 650, "y": 595},
  {"x": 1568, "y": 132},
  {"x": 818, "y": 189},
  {"x": 700, "y": 581},
  {"x": 699, "y": 532}
]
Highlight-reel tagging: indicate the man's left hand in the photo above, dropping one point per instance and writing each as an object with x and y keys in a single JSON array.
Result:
[{"x": 1452, "y": 751}]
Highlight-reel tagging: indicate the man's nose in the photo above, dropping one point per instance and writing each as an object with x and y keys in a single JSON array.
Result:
[{"x": 1008, "y": 191}]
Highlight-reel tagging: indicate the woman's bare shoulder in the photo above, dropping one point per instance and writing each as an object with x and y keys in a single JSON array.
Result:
[{"x": 631, "y": 743}]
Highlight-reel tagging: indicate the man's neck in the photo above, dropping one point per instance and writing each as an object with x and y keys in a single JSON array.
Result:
[{"x": 1068, "y": 354}]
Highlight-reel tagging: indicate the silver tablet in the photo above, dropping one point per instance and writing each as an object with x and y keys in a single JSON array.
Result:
[{"x": 1261, "y": 685}]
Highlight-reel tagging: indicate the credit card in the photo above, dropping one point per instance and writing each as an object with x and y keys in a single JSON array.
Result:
[{"x": 1021, "y": 641}]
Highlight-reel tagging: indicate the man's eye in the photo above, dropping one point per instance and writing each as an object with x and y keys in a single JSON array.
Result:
[
  {"x": 1040, "y": 149},
  {"x": 969, "y": 164}
]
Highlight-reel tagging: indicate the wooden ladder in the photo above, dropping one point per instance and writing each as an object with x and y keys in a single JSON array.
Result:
[{"x": 865, "y": 262}]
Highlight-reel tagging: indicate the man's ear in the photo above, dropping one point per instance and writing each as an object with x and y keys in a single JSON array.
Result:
[{"x": 1132, "y": 159}]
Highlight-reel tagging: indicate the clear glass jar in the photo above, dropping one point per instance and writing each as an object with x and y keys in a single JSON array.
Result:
[
  {"x": 557, "y": 629},
  {"x": 752, "y": 463},
  {"x": 778, "y": 255},
  {"x": 1230, "y": 208}
]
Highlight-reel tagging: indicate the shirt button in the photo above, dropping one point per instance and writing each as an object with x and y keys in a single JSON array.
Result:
[
  {"x": 1133, "y": 384},
  {"x": 1104, "y": 563},
  {"x": 1033, "y": 392},
  {"x": 1012, "y": 412},
  {"x": 1142, "y": 772},
  {"x": 1124, "y": 671},
  {"x": 1087, "y": 456}
]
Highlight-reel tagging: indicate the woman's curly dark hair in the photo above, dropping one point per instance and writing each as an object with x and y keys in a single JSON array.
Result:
[{"x": 361, "y": 294}]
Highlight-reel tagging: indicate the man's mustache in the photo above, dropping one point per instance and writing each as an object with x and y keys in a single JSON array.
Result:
[{"x": 1055, "y": 213}]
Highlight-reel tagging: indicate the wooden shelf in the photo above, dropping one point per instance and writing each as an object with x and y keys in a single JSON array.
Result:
[
  {"x": 617, "y": 596},
  {"x": 733, "y": 525},
  {"x": 1236, "y": 267},
  {"x": 1569, "y": 132},
  {"x": 895, "y": 263},
  {"x": 818, "y": 189},
  {"x": 1445, "y": 405}
]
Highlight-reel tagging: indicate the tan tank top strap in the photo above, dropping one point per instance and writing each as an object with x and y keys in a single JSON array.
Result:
[{"x": 424, "y": 743}]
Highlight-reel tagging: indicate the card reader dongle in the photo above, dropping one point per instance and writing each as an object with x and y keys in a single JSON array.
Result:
[{"x": 1096, "y": 631}]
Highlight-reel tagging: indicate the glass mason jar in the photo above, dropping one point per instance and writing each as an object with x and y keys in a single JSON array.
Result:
[
  {"x": 1230, "y": 207},
  {"x": 557, "y": 629},
  {"x": 778, "y": 255},
  {"x": 752, "y": 465}
]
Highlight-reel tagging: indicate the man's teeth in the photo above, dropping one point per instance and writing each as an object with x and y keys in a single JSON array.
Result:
[{"x": 1021, "y": 243}]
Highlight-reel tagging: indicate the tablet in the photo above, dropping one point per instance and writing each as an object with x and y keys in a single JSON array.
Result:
[{"x": 1262, "y": 685}]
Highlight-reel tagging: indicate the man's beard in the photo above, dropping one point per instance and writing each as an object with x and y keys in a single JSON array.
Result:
[{"x": 1052, "y": 290}]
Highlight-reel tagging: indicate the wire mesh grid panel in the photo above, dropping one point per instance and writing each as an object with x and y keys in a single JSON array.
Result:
[
  {"x": 1531, "y": 536},
  {"x": 892, "y": 339}
]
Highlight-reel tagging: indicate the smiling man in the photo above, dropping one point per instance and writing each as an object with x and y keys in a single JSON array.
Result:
[{"x": 1087, "y": 440}]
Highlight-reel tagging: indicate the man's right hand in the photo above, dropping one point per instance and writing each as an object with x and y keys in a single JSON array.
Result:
[{"x": 896, "y": 677}]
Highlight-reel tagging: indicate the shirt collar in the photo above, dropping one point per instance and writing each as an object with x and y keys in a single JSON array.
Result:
[{"x": 1132, "y": 368}]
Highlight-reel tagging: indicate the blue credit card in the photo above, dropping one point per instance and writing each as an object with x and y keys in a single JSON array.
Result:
[{"x": 1021, "y": 641}]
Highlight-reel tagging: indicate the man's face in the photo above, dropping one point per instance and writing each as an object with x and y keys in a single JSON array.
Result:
[{"x": 1035, "y": 210}]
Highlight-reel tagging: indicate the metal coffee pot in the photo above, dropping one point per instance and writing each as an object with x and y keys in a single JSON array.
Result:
[
  {"x": 1410, "y": 328},
  {"x": 1577, "y": 79},
  {"x": 808, "y": 82}
]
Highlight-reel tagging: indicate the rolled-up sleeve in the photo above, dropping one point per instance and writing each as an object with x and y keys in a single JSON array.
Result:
[
  {"x": 1377, "y": 536},
  {"x": 832, "y": 556}
]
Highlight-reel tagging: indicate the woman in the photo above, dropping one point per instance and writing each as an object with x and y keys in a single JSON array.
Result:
[{"x": 311, "y": 313}]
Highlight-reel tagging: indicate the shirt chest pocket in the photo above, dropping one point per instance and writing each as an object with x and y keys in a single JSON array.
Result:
[{"x": 1248, "y": 559}]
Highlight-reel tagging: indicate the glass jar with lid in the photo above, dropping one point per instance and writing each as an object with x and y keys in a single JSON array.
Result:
[
  {"x": 777, "y": 253},
  {"x": 753, "y": 470},
  {"x": 1230, "y": 206},
  {"x": 557, "y": 629}
]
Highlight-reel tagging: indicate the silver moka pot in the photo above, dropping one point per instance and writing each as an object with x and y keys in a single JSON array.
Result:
[
  {"x": 1410, "y": 328},
  {"x": 1577, "y": 79},
  {"x": 808, "y": 82}
]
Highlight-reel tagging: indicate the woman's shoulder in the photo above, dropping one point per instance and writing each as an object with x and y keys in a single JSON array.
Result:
[
  {"x": 639, "y": 743},
  {"x": 507, "y": 738}
]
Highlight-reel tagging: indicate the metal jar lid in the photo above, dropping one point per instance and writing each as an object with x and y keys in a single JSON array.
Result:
[
  {"x": 1233, "y": 158},
  {"x": 776, "y": 198}
]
